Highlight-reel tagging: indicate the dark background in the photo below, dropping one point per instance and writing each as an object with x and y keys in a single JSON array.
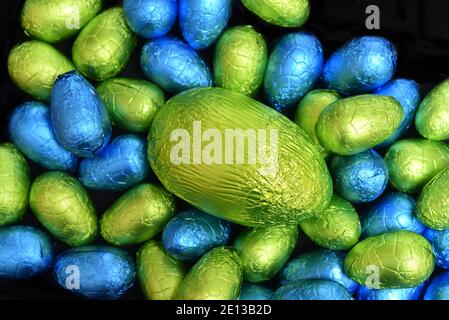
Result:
[{"x": 418, "y": 28}]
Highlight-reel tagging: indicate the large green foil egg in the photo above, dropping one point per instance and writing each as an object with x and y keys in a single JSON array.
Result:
[
  {"x": 56, "y": 20},
  {"x": 240, "y": 60},
  {"x": 414, "y": 162},
  {"x": 104, "y": 46},
  {"x": 63, "y": 206},
  {"x": 264, "y": 251},
  {"x": 356, "y": 124},
  {"x": 397, "y": 259},
  {"x": 14, "y": 184},
  {"x": 34, "y": 66},
  {"x": 138, "y": 215}
]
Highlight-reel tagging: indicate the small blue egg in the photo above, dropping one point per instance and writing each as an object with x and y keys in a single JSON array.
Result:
[
  {"x": 122, "y": 164},
  {"x": 360, "y": 178},
  {"x": 174, "y": 66},
  {"x": 395, "y": 211},
  {"x": 192, "y": 233},
  {"x": 203, "y": 21},
  {"x": 414, "y": 293},
  {"x": 440, "y": 245},
  {"x": 293, "y": 68},
  {"x": 312, "y": 289},
  {"x": 361, "y": 65},
  {"x": 25, "y": 252},
  {"x": 80, "y": 120},
  {"x": 438, "y": 288},
  {"x": 95, "y": 272},
  {"x": 31, "y": 131},
  {"x": 319, "y": 264},
  {"x": 252, "y": 291},
  {"x": 150, "y": 18}
]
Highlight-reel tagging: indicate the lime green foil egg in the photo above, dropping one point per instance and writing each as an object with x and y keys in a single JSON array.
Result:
[
  {"x": 216, "y": 276},
  {"x": 160, "y": 275},
  {"x": 104, "y": 46},
  {"x": 55, "y": 20},
  {"x": 356, "y": 124},
  {"x": 240, "y": 60},
  {"x": 283, "y": 13},
  {"x": 398, "y": 259},
  {"x": 63, "y": 206},
  {"x": 14, "y": 184},
  {"x": 336, "y": 228},
  {"x": 138, "y": 215},
  {"x": 264, "y": 251},
  {"x": 132, "y": 104},
  {"x": 34, "y": 66},
  {"x": 414, "y": 162}
]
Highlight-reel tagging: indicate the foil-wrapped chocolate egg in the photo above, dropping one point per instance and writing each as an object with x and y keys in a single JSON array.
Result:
[
  {"x": 252, "y": 291},
  {"x": 440, "y": 244},
  {"x": 312, "y": 289},
  {"x": 413, "y": 293},
  {"x": 438, "y": 288}
]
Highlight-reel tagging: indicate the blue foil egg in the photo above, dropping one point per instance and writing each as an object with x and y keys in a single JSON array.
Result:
[
  {"x": 361, "y": 65},
  {"x": 414, "y": 293},
  {"x": 396, "y": 211},
  {"x": 320, "y": 264},
  {"x": 95, "y": 272},
  {"x": 192, "y": 233},
  {"x": 438, "y": 288},
  {"x": 202, "y": 21},
  {"x": 360, "y": 178},
  {"x": 150, "y": 18},
  {"x": 312, "y": 289},
  {"x": 122, "y": 164},
  {"x": 31, "y": 131},
  {"x": 407, "y": 92},
  {"x": 173, "y": 65},
  {"x": 440, "y": 245},
  {"x": 252, "y": 291},
  {"x": 293, "y": 68},
  {"x": 25, "y": 252},
  {"x": 80, "y": 120}
]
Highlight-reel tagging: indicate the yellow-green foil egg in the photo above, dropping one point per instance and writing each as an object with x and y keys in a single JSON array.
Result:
[
  {"x": 397, "y": 259},
  {"x": 56, "y": 20},
  {"x": 14, "y": 184},
  {"x": 132, "y": 104},
  {"x": 63, "y": 206},
  {"x": 138, "y": 215},
  {"x": 264, "y": 251},
  {"x": 34, "y": 66},
  {"x": 159, "y": 273},
  {"x": 283, "y": 13},
  {"x": 356, "y": 124},
  {"x": 104, "y": 46},
  {"x": 336, "y": 228},
  {"x": 414, "y": 162},
  {"x": 240, "y": 60},
  {"x": 216, "y": 276}
]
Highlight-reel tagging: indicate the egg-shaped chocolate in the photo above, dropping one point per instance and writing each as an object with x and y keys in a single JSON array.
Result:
[
  {"x": 413, "y": 293},
  {"x": 252, "y": 291},
  {"x": 439, "y": 239},
  {"x": 312, "y": 289},
  {"x": 438, "y": 288}
]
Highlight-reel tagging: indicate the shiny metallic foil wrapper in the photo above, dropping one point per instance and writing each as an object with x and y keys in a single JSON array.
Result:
[{"x": 312, "y": 289}]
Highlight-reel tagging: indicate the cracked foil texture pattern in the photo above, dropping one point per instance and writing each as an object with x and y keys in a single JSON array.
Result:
[
  {"x": 79, "y": 117},
  {"x": 159, "y": 273},
  {"x": 30, "y": 129},
  {"x": 192, "y": 233},
  {"x": 293, "y": 186},
  {"x": 25, "y": 252},
  {"x": 121, "y": 165},
  {"x": 361, "y": 65},
  {"x": 336, "y": 228},
  {"x": 283, "y": 13},
  {"x": 150, "y": 18},
  {"x": 174, "y": 66},
  {"x": 15, "y": 184},
  {"x": 438, "y": 288},
  {"x": 104, "y": 272},
  {"x": 414, "y": 293},
  {"x": 414, "y": 162},
  {"x": 61, "y": 204},
  {"x": 312, "y": 289},
  {"x": 34, "y": 66},
  {"x": 138, "y": 215},
  {"x": 440, "y": 244},
  {"x": 54, "y": 20},
  {"x": 252, "y": 291},
  {"x": 131, "y": 104},
  {"x": 203, "y": 21},
  {"x": 264, "y": 251},
  {"x": 397, "y": 259},
  {"x": 293, "y": 68},
  {"x": 356, "y": 124},
  {"x": 104, "y": 46},
  {"x": 216, "y": 276}
]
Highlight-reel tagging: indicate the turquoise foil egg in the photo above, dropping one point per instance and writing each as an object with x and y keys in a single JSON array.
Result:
[
  {"x": 312, "y": 289},
  {"x": 252, "y": 291},
  {"x": 438, "y": 288},
  {"x": 440, "y": 244},
  {"x": 413, "y": 293}
]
